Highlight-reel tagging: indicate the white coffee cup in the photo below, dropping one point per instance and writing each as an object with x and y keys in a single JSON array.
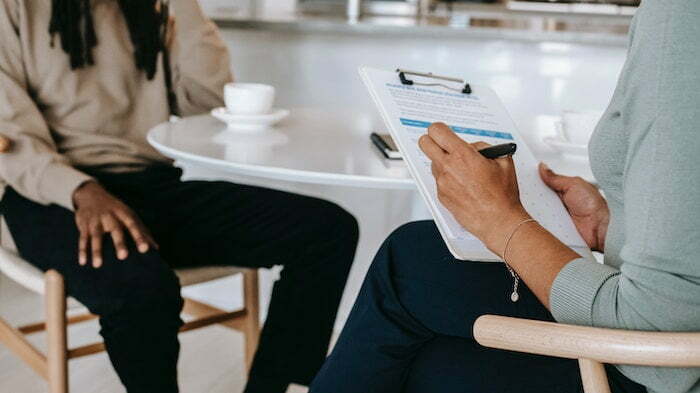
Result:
[
  {"x": 249, "y": 98},
  {"x": 578, "y": 126}
]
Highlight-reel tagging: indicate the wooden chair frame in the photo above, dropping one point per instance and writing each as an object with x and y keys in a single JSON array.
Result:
[
  {"x": 592, "y": 347},
  {"x": 53, "y": 366}
]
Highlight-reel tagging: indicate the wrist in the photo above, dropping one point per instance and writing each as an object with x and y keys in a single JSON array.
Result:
[
  {"x": 496, "y": 238},
  {"x": 84, "y": 191}
]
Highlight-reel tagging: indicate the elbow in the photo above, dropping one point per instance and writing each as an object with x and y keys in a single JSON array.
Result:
[
  {"x": 195, "y": 98},
  {"x": 651, "y": 300}
]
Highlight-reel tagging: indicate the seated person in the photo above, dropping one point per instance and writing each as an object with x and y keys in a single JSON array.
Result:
[
  {"x": 411, "y": 328},
  {"x": 84, "y": 193}
]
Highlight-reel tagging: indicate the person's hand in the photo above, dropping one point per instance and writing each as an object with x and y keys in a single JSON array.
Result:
[
  {"x": 5, "y": 144},
  {"x": 482, "y": 194},
  {"x": 99, "y": 213},
  {"x": 585, "y": 204}
]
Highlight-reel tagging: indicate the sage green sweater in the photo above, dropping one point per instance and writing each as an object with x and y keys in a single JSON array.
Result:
[{"x": 645, "y": 154}]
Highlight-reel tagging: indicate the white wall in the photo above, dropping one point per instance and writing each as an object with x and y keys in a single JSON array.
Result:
[{"x": 532, "y": 78}]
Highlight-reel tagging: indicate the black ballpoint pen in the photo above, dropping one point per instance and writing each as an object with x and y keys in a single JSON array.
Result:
[{"x": 497, "y": 151}]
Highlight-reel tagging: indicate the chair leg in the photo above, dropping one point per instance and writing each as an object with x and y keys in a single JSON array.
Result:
[
  {"x": 252, "y": 320},
  {"x": 594, "y": 377},
  {"x": 56, "y": 326}
]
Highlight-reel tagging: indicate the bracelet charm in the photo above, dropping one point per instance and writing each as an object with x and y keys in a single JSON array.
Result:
[{"x": 514, "y": 296}]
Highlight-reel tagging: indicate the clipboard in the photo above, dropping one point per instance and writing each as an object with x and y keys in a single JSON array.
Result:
[{"x": 410, "y": 101}]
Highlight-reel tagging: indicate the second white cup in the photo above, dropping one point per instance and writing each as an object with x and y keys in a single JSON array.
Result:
[{"x": 249, "y": 98}]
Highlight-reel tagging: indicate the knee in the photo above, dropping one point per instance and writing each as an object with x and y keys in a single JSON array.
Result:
[
  {"x": 142, "y": 285},
  {"x": 349, "y": 224},
  {"x": 346, "y": 222},
  {"x": 338, "y": 222},
  {"x": 417, "y": 234},
  {"x": 409, "y": 247},
  {"x": 155, "y": 288}
]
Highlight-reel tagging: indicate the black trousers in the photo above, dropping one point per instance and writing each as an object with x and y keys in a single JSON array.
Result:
[
  {"x": 200, "y": 223},
  {"x": 410, "y": 330}
]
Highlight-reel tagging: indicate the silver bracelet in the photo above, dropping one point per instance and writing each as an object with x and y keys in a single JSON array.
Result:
[{"x": 514, "y": 297}]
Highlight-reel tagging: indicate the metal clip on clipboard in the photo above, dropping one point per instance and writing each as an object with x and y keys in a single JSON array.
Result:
[{"x": 405, "y": 81}]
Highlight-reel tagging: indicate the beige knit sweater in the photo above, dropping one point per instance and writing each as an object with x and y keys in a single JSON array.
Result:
[{"x": 59, "y": 119}]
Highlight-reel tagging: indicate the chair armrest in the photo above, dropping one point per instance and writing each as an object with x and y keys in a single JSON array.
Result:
[
  {"x": 580, "y": 342},
  {"x": 5, "y": 144}
]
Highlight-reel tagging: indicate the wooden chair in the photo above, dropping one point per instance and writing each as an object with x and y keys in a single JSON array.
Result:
[
  {"x": 591, "y": 346},
  {"x": 53, "y": 366}
]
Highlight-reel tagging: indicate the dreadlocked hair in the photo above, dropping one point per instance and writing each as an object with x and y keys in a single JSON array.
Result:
[{"x": 72, "y": 21}]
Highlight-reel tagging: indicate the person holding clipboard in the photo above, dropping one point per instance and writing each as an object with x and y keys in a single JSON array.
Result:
[{"x": 410, "y": 329}]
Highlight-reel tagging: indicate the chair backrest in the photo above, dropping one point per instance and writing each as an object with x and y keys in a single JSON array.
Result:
[
  {"x": 11, "y": 264},
  {"x": 21, "y": 271}
]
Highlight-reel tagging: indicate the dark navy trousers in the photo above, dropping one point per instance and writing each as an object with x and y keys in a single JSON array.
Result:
[{"x": 410, "y": 330}]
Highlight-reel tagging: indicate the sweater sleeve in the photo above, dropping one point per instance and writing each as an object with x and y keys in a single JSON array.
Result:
[
  {"x": 200, "y": 60},
  {"x": 33, "y": 167},
  {"x": 657, "y": 287}
]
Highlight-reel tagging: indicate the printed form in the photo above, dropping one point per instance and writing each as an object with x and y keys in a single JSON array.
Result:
[{"x": 479, "y": 116}]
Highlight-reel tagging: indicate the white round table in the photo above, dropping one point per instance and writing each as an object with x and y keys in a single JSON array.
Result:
[{"x": 311, "y": 146}]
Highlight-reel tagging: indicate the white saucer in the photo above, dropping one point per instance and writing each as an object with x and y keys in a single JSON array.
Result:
[
  {"x": 565, "y": 147},
  {"x": 250, "y": 123}
]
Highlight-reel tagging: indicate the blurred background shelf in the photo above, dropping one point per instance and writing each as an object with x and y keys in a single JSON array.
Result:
[
  {"x": 620, "y": 7},
  {"x": 542, "y": 21}
]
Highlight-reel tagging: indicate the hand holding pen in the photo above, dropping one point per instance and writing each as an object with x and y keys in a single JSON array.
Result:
[{"x": 482, "y": 193}]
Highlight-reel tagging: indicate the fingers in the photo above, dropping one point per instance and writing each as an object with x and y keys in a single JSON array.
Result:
[
  {"x": 431, "y": 149},
  {"x": 92, "y": 235},
  {"x": 149, "y": 238},
  {"x": 83, "y": 247},
  {"x": 141, "y": 237},
  {"x": 96, "y": 233},
  {"x": 481, "y": 145},
  {"x": 436, "y": 169},
  {"x": 556, "y": 182},
  {"x": 504, "y": 162},
  {"x": 115, "y": 229},
  {"x": 444, "y": 137}
]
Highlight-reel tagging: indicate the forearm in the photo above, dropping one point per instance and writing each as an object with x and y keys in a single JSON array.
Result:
[
  {"x": 36, "y": 171},
  {"x": 33, "y": 166},
  {"x": 533, "y": 252}
]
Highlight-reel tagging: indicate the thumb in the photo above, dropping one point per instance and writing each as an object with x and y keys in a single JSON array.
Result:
[{"x": 556, "y": 182}]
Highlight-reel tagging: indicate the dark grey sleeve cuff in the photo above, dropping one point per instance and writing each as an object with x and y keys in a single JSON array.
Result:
[{"x": 575, "y": 290}]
